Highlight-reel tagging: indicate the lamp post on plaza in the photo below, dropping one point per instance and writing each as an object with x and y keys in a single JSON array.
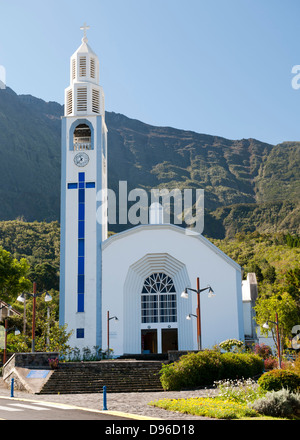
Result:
[
  {"x": 6, "y": 330},
  {"x": 198, "y": 313},
  {"x": 266, "y": 326},
  {"x": 108, "y": 319},
  {"x": 34, "y": 295}
]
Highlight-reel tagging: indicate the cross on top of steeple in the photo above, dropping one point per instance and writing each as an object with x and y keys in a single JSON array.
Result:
[{"x": 84, "y": 28}]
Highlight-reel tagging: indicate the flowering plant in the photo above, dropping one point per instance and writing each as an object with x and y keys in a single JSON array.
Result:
[
  {"x": 230, "y": 343},
  {"x": 263, "y": 350},
  {"x": 270, "y": 363}
]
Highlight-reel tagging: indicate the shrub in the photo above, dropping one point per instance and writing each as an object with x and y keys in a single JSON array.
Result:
[
  {"x": 275, "y": 380},
  {"x": 280, "y": 403},
  {"x": 270, "y": 363},
  {"x": 297, "y": 364},
  {"x": 205, "y": 367},
  {"x": 193, "y": 369},
  {"x": 263, "y": 350},
  {"x": 238, "y": 365}
]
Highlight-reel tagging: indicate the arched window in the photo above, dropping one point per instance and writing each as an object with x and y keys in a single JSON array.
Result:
[
  {"x": 158, "y": 302},
  {"x": 82, "y": 137}
]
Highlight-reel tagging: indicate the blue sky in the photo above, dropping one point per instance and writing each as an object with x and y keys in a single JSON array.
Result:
[{"x": 220, "y": 67}]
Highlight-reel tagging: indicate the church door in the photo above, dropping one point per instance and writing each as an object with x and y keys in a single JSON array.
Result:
[
  {"x": 159, "y": 314},
  {"x": 169, "y": 339},
  {"x": 149, "y": 341}
]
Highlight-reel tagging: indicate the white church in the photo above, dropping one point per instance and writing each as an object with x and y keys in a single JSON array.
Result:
[{"x": 136, "y": 276}]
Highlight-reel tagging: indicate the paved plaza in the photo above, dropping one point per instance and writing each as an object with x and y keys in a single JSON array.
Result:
[{"x": 131, "y": 403}]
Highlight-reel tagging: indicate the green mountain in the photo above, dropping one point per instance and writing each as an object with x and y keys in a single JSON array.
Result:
[
  {"x": 249, "y": 185},
  {"x": 30, "y": 157}
]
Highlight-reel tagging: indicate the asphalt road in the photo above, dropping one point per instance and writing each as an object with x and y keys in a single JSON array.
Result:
[{"x": 16, "y": 409}]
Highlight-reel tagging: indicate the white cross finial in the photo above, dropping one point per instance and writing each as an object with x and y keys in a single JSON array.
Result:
[{"x": 84, "y": 28}]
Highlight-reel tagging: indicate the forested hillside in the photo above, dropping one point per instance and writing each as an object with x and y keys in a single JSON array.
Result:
[{"x": 249, "y": 185}]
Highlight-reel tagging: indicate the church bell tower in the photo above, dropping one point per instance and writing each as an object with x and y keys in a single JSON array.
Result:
[{"x": 83, "y": 174}]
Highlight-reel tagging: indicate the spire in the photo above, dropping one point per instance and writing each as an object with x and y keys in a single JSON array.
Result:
[{"x": 84, "y": 95}]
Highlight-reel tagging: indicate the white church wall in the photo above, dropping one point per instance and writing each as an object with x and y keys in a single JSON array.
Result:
[{"x": 221, "y": 316}]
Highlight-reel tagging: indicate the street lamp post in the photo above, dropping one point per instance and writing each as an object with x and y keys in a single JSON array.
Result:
[
  {"x": 198, "y": 312},
  {"x": 108, "y": 319},
  {"x": 6, "y": 330},
  {"x": 34, "y": 295},
  {"x": 266, "y": 326}
]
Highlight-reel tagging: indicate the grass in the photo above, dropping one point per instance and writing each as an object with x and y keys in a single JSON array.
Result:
[
  {"x": 233, "y": 401},
  {"x": 214, "y": 407}
]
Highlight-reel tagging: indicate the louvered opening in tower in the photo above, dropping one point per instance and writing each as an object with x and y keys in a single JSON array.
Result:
[
  {"x": 93, "y": 68},
  {"x": 82, "y": 66},
  {"x": 82, "y": 99},
  {"x": 95, "y": 101},
  {"x": 69, "y": 102},
  {"x": 73, "y": 69}
]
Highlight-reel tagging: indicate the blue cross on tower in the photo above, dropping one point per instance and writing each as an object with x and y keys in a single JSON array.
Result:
[{"x": 82, "y": 185}]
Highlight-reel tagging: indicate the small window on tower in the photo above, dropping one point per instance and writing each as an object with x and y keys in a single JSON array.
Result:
[{"x": 80, "y": 333}]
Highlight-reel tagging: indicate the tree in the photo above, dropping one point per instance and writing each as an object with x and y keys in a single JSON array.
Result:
[
  {"x": 269, "y": 274},
  {"x": 292, "y": 280},
  {"x": 285, "y": 306},
  {"x": 50, "y": 336},
  {"x": 45, "y": 275},
  {"x": 13, "y": 276}
]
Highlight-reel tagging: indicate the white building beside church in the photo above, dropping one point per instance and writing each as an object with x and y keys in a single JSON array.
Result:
[{"x": 137, "y": 275}]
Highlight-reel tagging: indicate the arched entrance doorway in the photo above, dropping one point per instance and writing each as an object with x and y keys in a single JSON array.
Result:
[{"x": 159, "y": 330}]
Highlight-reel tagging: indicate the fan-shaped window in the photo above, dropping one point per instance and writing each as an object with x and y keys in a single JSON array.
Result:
[{"x": 159, "y": 299}]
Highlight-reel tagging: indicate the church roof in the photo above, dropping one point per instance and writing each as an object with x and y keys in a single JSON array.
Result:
[
  {"x": 177, "y": 229},
  {"x": 84, "y": 48}
]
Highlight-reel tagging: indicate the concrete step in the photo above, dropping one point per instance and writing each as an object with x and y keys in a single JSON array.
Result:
[{"x": 117, "y": 376}]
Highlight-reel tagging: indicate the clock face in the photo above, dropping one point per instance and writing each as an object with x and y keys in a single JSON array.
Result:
[{"x": 81, "y": 159}]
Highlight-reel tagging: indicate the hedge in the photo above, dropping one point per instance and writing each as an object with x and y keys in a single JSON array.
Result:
[
  {"x": 205, "y": 367},
  {"x": 275, "y": 380}
]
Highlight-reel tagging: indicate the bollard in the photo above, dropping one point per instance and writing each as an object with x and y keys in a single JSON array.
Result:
[
  {"x": 104, "y": 399},
  {"x": 12, "y": 387}
]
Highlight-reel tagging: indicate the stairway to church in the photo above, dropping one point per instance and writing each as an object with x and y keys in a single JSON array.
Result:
[{"x": 120, "y": 376}]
